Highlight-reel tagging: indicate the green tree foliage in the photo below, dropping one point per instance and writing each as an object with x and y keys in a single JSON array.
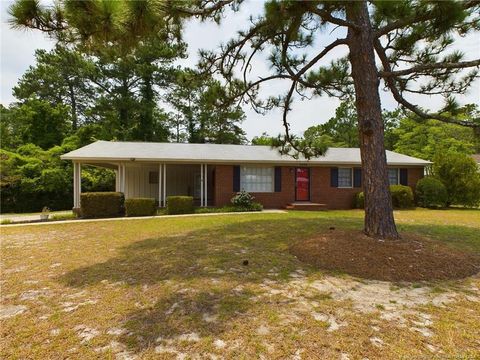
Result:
[
  {"x": 342, "y": 129},
  {"x": 263, "y": 139},
  {"x": 32, "y": 178},
  {"x": 425, "y": 138},
  {"x": 461, "y": 177},
  {"x": 130, "y": 84},
  {"x": 410, "y": 39},
  {"x": 431, "y": 192},
  {"x": 204, "y": 111},
  {"x": 60, "y": 77},
  {"x": 40, "y": 123},
  {"x": 10, "y": 137}
]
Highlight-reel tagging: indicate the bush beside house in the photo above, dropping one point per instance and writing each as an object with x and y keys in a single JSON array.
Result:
[
  {"x": 179, "y": 205},
  {"x": 102, "y": 204},
  {"x": 140, "y": 207},
  {"x": 459, "y": 173},
  {"x": 431, "y": 192},
  {"x": 402, "y": 197},
  {"x": 243, "y": 201}
]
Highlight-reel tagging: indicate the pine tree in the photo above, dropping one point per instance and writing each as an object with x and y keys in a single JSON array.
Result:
[{"x": 411, "y": 39}]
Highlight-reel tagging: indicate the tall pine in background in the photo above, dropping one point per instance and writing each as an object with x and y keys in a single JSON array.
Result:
[{"x": 411, "y": 40}]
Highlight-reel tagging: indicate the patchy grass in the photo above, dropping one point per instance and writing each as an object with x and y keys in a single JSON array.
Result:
[
  {"x": 57, "y": 217},
  {"x": 168, "y": 288}
]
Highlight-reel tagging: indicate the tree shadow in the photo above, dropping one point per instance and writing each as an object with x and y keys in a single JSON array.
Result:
[
  {"x": 216, "y": 252},
  {"x": 183, "y": 266}
]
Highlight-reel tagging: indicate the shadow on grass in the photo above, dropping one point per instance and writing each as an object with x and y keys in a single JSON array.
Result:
[{"x": 218, "y": 252}]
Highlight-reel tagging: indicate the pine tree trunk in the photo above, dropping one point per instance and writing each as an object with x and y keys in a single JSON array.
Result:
[
  {"x": 148, "y": 104},
  {"x": 379, "y": 221}
]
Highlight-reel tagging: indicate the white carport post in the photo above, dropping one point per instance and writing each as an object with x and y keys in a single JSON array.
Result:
[
  {"x": 117, "y": 179},
  {"x": 120, "y": 184},
  {"x": 205, "y": 177},
  {"x": 77, "y": 184},
  {"x": 201, "y": 185},
  {"x": 160, "y": 198},
  {"x": 164, "y": 178}
]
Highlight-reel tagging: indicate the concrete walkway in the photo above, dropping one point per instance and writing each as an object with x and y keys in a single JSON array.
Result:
[{"x": 139, "y": 218}]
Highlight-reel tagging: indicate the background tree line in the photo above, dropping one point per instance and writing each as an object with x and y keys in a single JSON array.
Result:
[
  {"x": 448, "y": 146},
  {"x": 119, "y": 67},
  {"x": 71, "y": 98}
]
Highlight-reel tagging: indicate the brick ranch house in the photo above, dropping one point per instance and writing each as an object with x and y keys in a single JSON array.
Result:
[{"x": 213, "y": 173}]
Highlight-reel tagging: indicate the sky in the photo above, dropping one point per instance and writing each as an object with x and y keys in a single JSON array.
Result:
[{"x": 18, "y": 47}]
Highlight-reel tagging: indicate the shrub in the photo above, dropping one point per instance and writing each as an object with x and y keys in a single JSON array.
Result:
[
  {"x": 359, "y": 201},
  {"x": 140, "y": 207},
  {"x": 102, "y": 204},
  {"x": 179, "y": 205},
  {"x": 56, "y": 217},
  {"x": 459, "y": 173},
  {"x": 431, "y": 192},
  {"x": 242, "y": 199},
  {"x": 254, "y": 206},
  {"x": 402, "y": 196}
]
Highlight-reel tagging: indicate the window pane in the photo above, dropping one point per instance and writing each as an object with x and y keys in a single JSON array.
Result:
[
  {"x": 256, "y": 179},
  {"x": 344, "y": 177},
  {"x": 153, "y": 177},
  {"x": 393, "y": 176}
]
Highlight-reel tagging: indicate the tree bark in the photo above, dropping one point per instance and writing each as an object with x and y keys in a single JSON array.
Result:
[
  {"x": 148, "y": 104},
  {"x": 379, "y": 220}
]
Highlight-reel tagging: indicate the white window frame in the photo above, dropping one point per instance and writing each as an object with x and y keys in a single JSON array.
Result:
[
  {"x": 351, "y": 178},
  {"x": 242, "y": 182},
  {"x": 398, "y": 175}
]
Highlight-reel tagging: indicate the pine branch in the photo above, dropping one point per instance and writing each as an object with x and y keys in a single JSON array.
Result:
[
  {"x": 419, "y": 17},
  {"x": 391, "y": 84},
  {"x": 203, "y": 11},
  {"x": 423, "y": 67},
  {"x": 326, "y": 16}
]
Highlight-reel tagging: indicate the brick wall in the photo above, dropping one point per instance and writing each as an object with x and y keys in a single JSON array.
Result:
[{"x": 320, "y": 189}]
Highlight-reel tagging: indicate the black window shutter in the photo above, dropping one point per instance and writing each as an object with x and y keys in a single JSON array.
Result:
[
  {"x": 334, "y": 177},
  {"x": 357, "y": 177},
  {"x": 404, "y": 177},
  {"x": 278, "y": 178},
  {"x": 236, "y": 178}
]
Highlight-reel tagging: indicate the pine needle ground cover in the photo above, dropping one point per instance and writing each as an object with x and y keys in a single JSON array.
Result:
[{"x": 178, "y": 288}]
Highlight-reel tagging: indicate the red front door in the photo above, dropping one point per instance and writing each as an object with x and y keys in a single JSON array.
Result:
[{"x": 302, "y": 184}]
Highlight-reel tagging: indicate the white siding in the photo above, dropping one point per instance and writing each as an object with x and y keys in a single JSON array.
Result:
[
  {"x": 137, "y": 182},
  {"x": 181, "y": 180}
]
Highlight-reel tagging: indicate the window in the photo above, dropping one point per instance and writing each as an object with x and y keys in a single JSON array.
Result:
[
  {"x": 393, "y": 176},
  {"x": 153, "y": 177},
  {"x": 256, "y": 179},
  {"x": 345, "y": 177}
]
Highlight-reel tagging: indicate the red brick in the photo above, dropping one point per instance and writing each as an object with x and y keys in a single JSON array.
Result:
[{"x": 320, "y": 189}]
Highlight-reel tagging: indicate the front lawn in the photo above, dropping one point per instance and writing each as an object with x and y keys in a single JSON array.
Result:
[{"x": 179, "y": 288}]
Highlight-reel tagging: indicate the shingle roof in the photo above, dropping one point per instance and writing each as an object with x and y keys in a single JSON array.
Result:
[{"x": 216, "y": 153}]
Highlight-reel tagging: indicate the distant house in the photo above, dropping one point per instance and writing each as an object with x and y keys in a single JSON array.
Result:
[{"x": 213, "y": 173}]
